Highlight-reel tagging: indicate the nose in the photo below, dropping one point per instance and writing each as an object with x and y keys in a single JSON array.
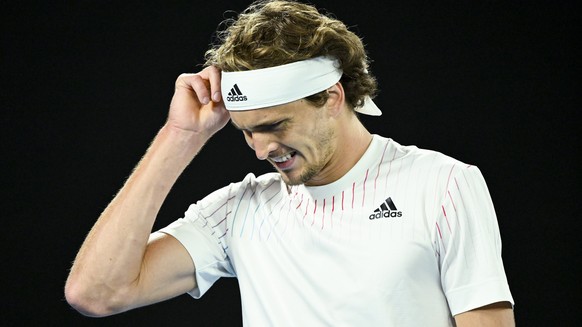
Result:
[{"x": 262, "y": 144}]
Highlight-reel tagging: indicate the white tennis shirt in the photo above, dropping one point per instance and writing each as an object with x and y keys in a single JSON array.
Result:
[{"x": 408, "y": 237}]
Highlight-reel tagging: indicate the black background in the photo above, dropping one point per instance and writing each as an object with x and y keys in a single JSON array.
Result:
[{"x": 86, "y": 86}]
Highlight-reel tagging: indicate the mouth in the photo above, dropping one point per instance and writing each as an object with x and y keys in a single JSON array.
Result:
[{"x": 285, "y": 161}]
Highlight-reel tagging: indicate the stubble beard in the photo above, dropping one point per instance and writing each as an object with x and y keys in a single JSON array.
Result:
[{"x": 310, "y": 170}]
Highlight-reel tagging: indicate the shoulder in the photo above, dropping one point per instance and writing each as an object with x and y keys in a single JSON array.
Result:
[
  {"x": 429, "y": 168},
  {"x": 249, "y": 187},
  {"x": 434, "y": 157},
  {"x": 416, "y": 157},
  {"x": 443, "y": 168},
  {"x": 261, "y": 181},
  {"x": 253, "y": 185}
]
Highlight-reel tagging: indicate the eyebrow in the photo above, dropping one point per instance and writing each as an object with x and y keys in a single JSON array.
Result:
[{"x": 260, "y": 127}]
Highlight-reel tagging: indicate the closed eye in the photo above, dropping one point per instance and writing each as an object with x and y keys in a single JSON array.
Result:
[
  {"x": 262, "y": 128},
  {"x": 268, "y": 127}
]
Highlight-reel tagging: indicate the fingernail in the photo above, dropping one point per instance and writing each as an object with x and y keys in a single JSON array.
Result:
[
  {"x": 216, "y": 96},
  {"x": 205, "y": 100}
]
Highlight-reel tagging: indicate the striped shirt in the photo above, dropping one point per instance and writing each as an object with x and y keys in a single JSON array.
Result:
[{"x": 408, "y": 237}]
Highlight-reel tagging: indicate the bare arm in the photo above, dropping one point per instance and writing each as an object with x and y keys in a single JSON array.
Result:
[
  {"x": 118, "y": 266},
  {"x": 498, "y": 314}
]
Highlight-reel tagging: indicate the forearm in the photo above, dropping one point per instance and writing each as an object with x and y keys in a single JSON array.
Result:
[
  {"x": 498, "y": 314},
  {"x": 111, "y": 257}
]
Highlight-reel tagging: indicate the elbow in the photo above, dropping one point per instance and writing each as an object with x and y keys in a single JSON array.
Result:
[{"x": 89, "y": 302}]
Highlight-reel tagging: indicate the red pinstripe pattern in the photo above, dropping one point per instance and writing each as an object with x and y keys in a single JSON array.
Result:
[
  {"x": 463, "y": 205},
  {"x": 280, "y": 215},
  {"x": 441, "y": 236},
  {"x": 323, "y": 215},
  {"x": 301, "y": 201},
  {"x": 446, "y": 218},
  {"x": 449, "y": 179},
  {"x": 314, "y": 210},
  {"x": 306, "y": 206},
  {"x": 439, "y": 230},
  {"x": 451, "y": 198},
  {"x": 364, "y": 187},
  {"x": 378, "y": 171},
  {"x": 390, "y": 167},
  {"x": 442, "y": 203},
  {"x": 332, "y": 210}
]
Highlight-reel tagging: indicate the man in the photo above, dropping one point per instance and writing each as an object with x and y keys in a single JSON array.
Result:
[{"x": 353, "y": 229}]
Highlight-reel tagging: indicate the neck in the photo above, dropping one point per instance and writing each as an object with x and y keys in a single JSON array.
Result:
[{"x": 351, "y": 142}]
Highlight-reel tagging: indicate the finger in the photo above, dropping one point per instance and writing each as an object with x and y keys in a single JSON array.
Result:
[
  {"x": 200, "y": 86},
  {"x": 192, "y": 82},
  {"x": 212, "y": 74}
]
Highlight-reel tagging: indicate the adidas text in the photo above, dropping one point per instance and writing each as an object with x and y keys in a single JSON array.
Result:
[
  {"x": 385, "y": 214},
  {"x": 236, "y": 98}
]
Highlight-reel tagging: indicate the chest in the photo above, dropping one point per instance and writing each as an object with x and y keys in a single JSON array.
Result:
[{"x": 378, "y": 244}]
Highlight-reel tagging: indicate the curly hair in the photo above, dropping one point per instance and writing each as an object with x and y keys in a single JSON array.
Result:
[{"x": 272, "y": 33}]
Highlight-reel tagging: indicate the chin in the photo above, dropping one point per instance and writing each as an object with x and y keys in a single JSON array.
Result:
[
  {"x": 291, "y": 181},
  {"x": 297, "y": 179}
]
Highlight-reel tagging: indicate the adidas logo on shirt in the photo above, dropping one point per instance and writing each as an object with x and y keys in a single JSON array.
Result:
[
  {"x": 386, "y": 210},
  {"x": 235, "y": 94}
]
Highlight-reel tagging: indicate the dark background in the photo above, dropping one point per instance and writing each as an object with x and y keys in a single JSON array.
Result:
[{"x": 86, "y": 86}]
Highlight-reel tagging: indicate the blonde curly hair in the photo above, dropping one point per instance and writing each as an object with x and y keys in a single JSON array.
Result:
[{"x": 272, "y": 33}]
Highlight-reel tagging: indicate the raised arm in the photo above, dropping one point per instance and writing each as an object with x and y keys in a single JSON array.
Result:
[{"x": 119, "y": 267}]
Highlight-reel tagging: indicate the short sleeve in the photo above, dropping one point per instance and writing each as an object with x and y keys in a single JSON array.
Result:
[
  {"x": 468, "y": 242},
  {"x": 202, "y": 234}
]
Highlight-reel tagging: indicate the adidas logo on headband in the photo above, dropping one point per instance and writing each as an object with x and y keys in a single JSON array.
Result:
[
  {"x": 235, "y": 94},
  {"x": 277, "y": 85}
]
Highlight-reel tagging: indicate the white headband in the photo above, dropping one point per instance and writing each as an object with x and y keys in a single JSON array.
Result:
[{"x": 267, "y": 87}]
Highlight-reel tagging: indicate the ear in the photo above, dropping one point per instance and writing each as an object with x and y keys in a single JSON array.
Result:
[{"x": 336, "y": 100}]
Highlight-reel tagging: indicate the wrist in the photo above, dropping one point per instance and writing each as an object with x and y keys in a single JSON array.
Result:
[
  {"x": 176, "y": 145},
  {"x": 180, "y": 137}
]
